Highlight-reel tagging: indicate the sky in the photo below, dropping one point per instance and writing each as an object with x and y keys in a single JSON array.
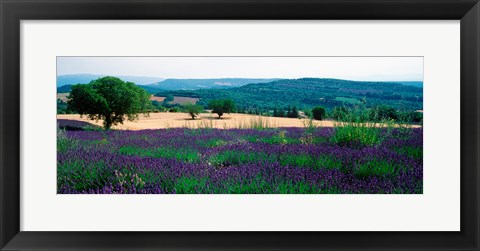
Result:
[{"x": 351, "y": 68}]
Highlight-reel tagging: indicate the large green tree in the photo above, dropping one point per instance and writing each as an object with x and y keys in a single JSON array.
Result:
[
  {"x": 221, "y": 106},
  {"x": 110, "y": 99}
]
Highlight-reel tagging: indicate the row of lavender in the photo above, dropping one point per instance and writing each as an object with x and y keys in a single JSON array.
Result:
[{"x": 282, "y": 160}]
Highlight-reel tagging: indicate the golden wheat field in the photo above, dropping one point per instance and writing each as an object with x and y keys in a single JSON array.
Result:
[{"x": 205, "y": 120}]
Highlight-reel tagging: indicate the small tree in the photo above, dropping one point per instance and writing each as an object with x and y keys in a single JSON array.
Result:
[
  {"x": 168, "y": 98},
  {"x": 292, "y": 113},
  {"x": 339, "y": 112},
  {"x": 221, "y": 106},
  {"x": 277, "y": 112},
  {"x": 383, "y": 112},
  {"x": 318, "y": 113},
  {"x": 110, "y": 99},
  {"x": 192, "y": 109}
]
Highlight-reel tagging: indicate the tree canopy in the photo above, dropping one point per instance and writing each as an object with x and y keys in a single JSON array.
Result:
[
  {"x": 307, "y": 93},
  {"x": 318, "y": 113},
  {"x": 110, "y": 99},
  {"x": 192, "y": 109},
  {"x": 221, "y": 106}
]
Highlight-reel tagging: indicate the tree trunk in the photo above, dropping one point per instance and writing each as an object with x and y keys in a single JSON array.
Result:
[{"x": 108, "y": 122}]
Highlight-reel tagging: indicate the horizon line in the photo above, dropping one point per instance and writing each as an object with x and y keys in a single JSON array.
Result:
[{"x": 279, "y": 78}]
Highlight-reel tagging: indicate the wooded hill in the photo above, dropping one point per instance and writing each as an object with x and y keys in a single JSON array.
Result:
[{"x": 306, "y": 93}]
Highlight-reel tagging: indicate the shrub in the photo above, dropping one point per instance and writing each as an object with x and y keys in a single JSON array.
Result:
[
  {"x": 64, "y": 142},
  {"x": 354, "y": 129},
  {"x": 174, "y": 109},
  {"x": 192, "y": 109},
  {"x": 221, "y": 106},
  {"x": 383, "y": 112},
  {"x": 318, "y": 113},
  {"x": 339, "y": 112}
]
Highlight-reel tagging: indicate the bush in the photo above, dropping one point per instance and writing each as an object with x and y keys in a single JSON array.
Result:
[
  {"x": 192, "y": 109},
  {"x": 339, "y": 112},
  {"x": 174, "y": 109},
  {"x": 293, "y": 112},
  {"x": 412, "y": 116},
  {"x": 221, "y": 106},
  {"x": 355, "y": 130},
  {"x": 318, "y": 113},
  {"x": 383, "y": 112}
]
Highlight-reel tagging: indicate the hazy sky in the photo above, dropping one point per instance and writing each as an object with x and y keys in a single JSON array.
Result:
[{"x": 352, "y": 68}]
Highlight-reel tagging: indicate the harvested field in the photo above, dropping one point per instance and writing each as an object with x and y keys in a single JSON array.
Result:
[
  {"x": 63, "y": 96},
  {"x": 176, "y": 100},
  {"x": 183, "y": 100},
  {"x": 206, "y": 120},
  {"x": 159, "y": 99}
]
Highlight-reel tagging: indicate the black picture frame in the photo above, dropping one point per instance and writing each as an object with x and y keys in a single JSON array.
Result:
[{"x": 13, "y": 11}]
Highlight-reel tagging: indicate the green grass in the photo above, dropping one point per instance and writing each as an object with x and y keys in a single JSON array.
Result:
[
  {"x": 212, "y": 143},
  {"x": 231, "y": 158},
  {"x": 185, "y": 154},
  {"x": 64, "y": 142},
  {"x": 376, "y": 167},
  {"x": 279, "y": 138},
  {"x": 308, "y": 161},
  {"x": 414, "y": 152},
  {"x": 259, "y": 185},
  {"x": 189, "y": 185},
  {"x": 83, "y": 176},
  {"x": 357, "y": 133},
  {"x": 355, "y": 129},
  {"x": 348, "y": 100}
]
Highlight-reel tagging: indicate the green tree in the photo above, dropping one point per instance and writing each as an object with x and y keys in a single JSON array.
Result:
[
  {"x": 192, "y": 109},
  {"x": 221, "y": 106},
  {"x": 318, "y": 113},
  {"x": 293, "y": 113},
  {"x": 110, "y": 99},
  {"x": 278, "y": 112},
  {"x": 383, "y": 112},
  {"x": 168, "y": 98},
  {"x": 339, "y": 112}
]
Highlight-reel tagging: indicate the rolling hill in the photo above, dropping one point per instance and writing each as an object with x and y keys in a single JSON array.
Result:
[
  {"x": 149, "y": 89},
  {"x": 72, "y": 79},
  {"x": 412, "y": 83},
  {"x": 214, "y": 83},
  {"x": 310, "y": 92},
  {"x": 64, "y": 82},
  {"x": 268, "y": 94}
]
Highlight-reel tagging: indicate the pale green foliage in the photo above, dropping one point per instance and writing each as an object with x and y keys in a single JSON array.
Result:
[{"x": 192, "y": 109}]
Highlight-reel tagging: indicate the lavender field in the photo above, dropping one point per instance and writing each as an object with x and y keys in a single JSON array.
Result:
[{"x": 240, "y": 161}]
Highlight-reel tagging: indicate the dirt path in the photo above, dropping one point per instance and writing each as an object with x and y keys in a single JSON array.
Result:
[{"x": 172, "y": 120}]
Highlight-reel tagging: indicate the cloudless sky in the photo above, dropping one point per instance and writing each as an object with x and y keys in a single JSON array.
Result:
[{"x": 351, "y": 68}]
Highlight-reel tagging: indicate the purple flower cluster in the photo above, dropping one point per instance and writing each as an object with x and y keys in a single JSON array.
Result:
[{"x": 237, "y": 161}]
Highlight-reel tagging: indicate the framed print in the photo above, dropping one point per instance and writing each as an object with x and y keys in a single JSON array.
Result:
[{"x": 239, "y": 125}]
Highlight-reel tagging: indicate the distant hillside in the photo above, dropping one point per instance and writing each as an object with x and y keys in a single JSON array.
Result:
[
  {"x": 86, "y": 78},
  {"x": 412, "y": 83},
  {"x": 149, "y": 89},
  {"x": 64, "y": 89},
  {"x": 217, "y": 83},
  {"x": 310, "y": 92}
]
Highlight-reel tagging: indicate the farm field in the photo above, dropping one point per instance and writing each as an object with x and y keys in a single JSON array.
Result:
[
  {"x": 310, "y": 160},
  {"x": 164, "y": 120},
  {"x": 239, "y": 125}
]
